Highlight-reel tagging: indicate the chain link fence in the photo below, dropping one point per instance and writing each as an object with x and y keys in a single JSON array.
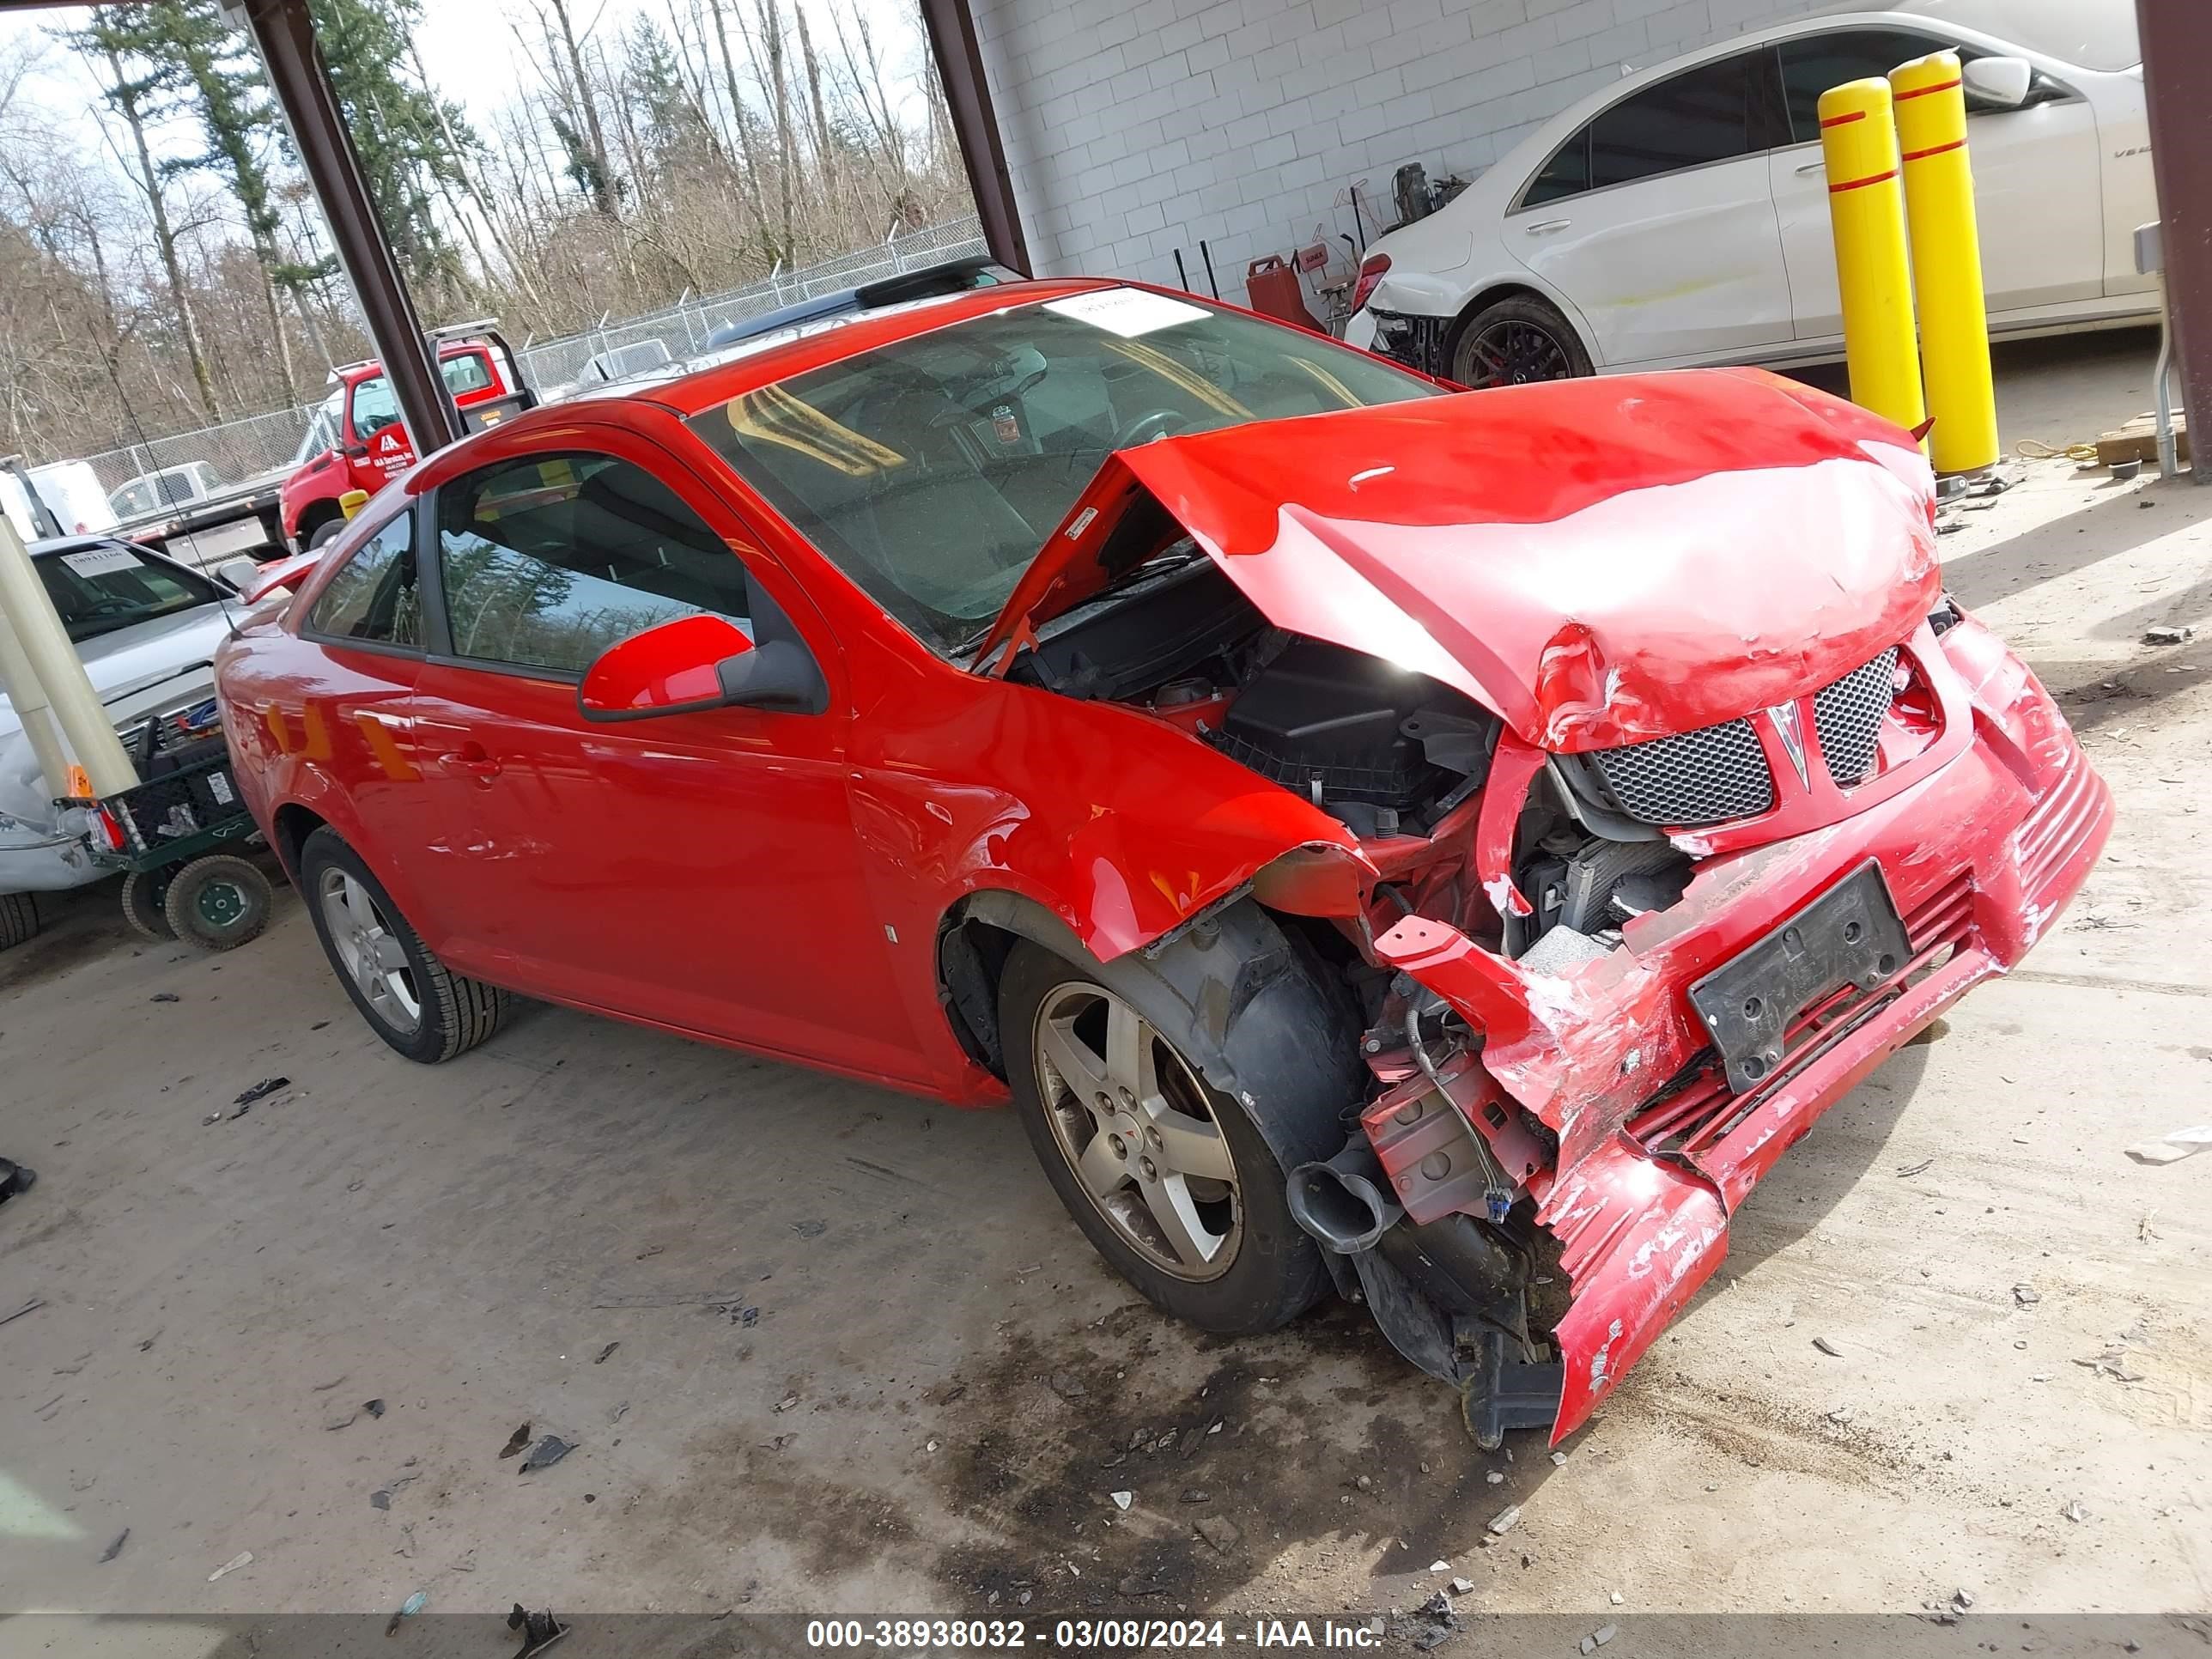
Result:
[{"x": 237, "y": 450}]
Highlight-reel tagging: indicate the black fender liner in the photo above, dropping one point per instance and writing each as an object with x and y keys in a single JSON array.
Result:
[{"x": 1252, "y": 1003}]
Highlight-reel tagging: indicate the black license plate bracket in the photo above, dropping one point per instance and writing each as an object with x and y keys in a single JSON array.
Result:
[{"x": 1850, "y": 935}]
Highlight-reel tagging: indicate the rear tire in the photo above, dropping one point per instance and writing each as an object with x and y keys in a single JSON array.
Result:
[
  {"x": 19, "y": 919},
  {"x": 218, "y": 902},
  {"x": 141, "y": 907},
  {"x": 1276, "y": 1272},
  {"x": 418, "y": 1005},
  {"x": 1517, "y": 342}
]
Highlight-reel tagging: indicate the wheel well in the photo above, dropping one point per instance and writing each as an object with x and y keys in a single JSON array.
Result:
[
  {"x": 1482, "y": 303},
  {"x": 971, "y": 960},
  {"x": 293, "y": 825},
  {"x": 314, "y": 516}
]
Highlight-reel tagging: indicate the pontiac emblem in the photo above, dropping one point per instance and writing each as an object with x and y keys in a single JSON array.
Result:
[{"x": 1784, "y": 716}]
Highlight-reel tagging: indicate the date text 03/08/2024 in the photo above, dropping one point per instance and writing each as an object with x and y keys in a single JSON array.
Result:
[{"x": 1077, "y": 1635}]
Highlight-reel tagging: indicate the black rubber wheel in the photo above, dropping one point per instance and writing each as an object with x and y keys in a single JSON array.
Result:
[
  {"x": 419, "y": 1006},
  {"x": 19, "y": 919},
  {"x": 325, "y": 533},
  {"x": 1517, "y": 342},
  {"x": 142, "y": 906},
  {"x": 217, "y": 903},
  {"x": 1116, "y": 1170}
]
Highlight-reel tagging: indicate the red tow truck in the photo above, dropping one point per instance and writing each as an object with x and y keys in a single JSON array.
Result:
[{"x": 357, "y": 441}]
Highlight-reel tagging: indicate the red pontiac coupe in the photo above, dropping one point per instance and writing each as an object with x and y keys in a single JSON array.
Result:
[{"x": 1448, "y": 845}]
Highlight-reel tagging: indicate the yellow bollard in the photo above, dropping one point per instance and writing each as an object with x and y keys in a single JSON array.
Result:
[
  {"x": 1947, "y": 262},
  {"x": 352, "y": 502},
  {"x": 1866, "y": 207}
]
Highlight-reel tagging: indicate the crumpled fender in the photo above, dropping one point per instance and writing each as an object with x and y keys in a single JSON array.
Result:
[{"x": 1121, "y": 825}]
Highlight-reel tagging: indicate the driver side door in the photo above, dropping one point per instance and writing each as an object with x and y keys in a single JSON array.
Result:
[{"x": 698, "y": 871}]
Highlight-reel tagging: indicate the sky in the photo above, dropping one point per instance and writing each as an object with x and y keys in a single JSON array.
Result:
[{"x": 468, "y": 48}]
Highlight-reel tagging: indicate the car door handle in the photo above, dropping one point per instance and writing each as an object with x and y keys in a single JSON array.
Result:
[
  {"x": 1812, "y": 167},
  {"x": 1548, "y": 226},
  {"x": 471, "y": 760}
]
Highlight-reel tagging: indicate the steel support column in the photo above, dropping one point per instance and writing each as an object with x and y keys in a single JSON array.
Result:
[
  {"x": 286, "y": 35},
  {"x": 967, "y": 97},
  {"x": 2177, "y": 45}
]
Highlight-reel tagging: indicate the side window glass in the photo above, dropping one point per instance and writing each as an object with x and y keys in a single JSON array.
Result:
[
  {"x": 1708, "y": 114},
  {"x": 1812, "y": 65},
  {"x": 374, "y": 408},
  {"x": 373, "y": 595},
  {"x": 1565, "y": 175},
  {"x": 547, "y": 561}
]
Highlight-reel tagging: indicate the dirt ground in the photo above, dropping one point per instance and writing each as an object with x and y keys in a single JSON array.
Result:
[{"x": 822, "y": 1348}]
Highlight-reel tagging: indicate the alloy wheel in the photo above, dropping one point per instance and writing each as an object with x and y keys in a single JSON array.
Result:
[
  {"x": 1135, "y": 1124},
  {"x": 1517, "y": 353},
  {"x": 368, "y": 952}
]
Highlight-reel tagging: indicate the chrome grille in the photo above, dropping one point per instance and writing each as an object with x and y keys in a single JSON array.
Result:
[
  {"x": 1848, "y": 717},
  {"x": 1718, "y": 773},
  {"x": 1706, "y": 776}
]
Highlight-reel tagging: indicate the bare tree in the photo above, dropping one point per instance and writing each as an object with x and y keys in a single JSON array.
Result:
[{"x": 125, "y": 92}]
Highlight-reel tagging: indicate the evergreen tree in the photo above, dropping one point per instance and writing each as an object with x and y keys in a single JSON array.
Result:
[
  {"x": 669, "y": 123},
  {"x": 218, "y": 75},
  {"x": 399, "y": 129}
]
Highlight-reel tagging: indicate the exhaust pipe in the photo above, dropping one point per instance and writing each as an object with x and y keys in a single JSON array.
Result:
[{"x": 1342, "y": 1202}]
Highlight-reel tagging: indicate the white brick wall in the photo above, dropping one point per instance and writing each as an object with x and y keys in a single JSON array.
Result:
[{"x": 1136, "y": 127}]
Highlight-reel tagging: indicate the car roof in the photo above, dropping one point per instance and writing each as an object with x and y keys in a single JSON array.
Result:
[
  {"x": 812, "y": 343},
  {"x": 349, "y": 373},
  {"x": 2000, "y": 20},
  {"x": 707, "y": 381},
  {"x": 953, "y": 276}
]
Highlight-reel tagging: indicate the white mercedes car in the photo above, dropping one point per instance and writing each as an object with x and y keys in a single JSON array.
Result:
[{"x": 1680, "y": 217}]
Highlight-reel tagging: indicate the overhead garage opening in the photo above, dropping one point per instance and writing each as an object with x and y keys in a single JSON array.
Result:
[{"x": 612, "y": 186}]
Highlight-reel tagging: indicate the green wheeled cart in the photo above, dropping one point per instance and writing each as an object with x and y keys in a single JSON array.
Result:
[{"x": 184, "y": 840}]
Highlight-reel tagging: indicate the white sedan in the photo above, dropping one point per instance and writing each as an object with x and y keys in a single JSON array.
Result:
[{"x": 1682, "y": 216}]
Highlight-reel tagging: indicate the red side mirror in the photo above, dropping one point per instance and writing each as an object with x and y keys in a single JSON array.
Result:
[{"x": 664, "y": 671}]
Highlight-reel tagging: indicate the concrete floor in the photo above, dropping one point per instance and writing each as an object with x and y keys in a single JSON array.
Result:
[{"x": 806, "y": 1335}]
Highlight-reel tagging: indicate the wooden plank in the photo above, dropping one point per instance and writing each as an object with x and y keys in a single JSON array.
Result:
[{"x": 2138, "y": 441}]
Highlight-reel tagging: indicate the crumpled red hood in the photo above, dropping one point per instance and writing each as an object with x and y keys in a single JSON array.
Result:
[{"x": 1598, "y": 561}]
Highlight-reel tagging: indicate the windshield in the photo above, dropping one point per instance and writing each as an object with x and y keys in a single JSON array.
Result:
[
  {"x": 374, "y": 408},
  {"x": 99, "y": 589},
  {"x": 932, "y": 471}
]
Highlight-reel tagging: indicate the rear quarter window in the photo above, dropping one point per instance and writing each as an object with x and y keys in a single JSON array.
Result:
[{"x": 372, "y": 597}]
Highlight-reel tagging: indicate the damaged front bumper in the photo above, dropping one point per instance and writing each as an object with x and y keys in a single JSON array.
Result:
[{"x": 1599, "y": 1096}]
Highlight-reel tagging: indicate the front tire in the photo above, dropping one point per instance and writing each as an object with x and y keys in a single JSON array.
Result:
[
  {"x": 325, "y": 534},
  {"x": 1169, "y": 1177},
  {"x": 1518, "y": 341},
  {"x": 419, "y": 1006}
]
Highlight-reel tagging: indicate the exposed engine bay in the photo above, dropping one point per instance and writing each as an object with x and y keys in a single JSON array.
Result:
[{"x": 1386, "y": 752}]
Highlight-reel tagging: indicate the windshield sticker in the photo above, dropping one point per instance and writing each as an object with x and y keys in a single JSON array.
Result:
[
  {"x": 1127, "y": 312},
  {"x": 101, "y": 560}
]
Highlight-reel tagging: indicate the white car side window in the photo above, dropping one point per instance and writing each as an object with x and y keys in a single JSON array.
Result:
[{"x": 1716, "y": 112}]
